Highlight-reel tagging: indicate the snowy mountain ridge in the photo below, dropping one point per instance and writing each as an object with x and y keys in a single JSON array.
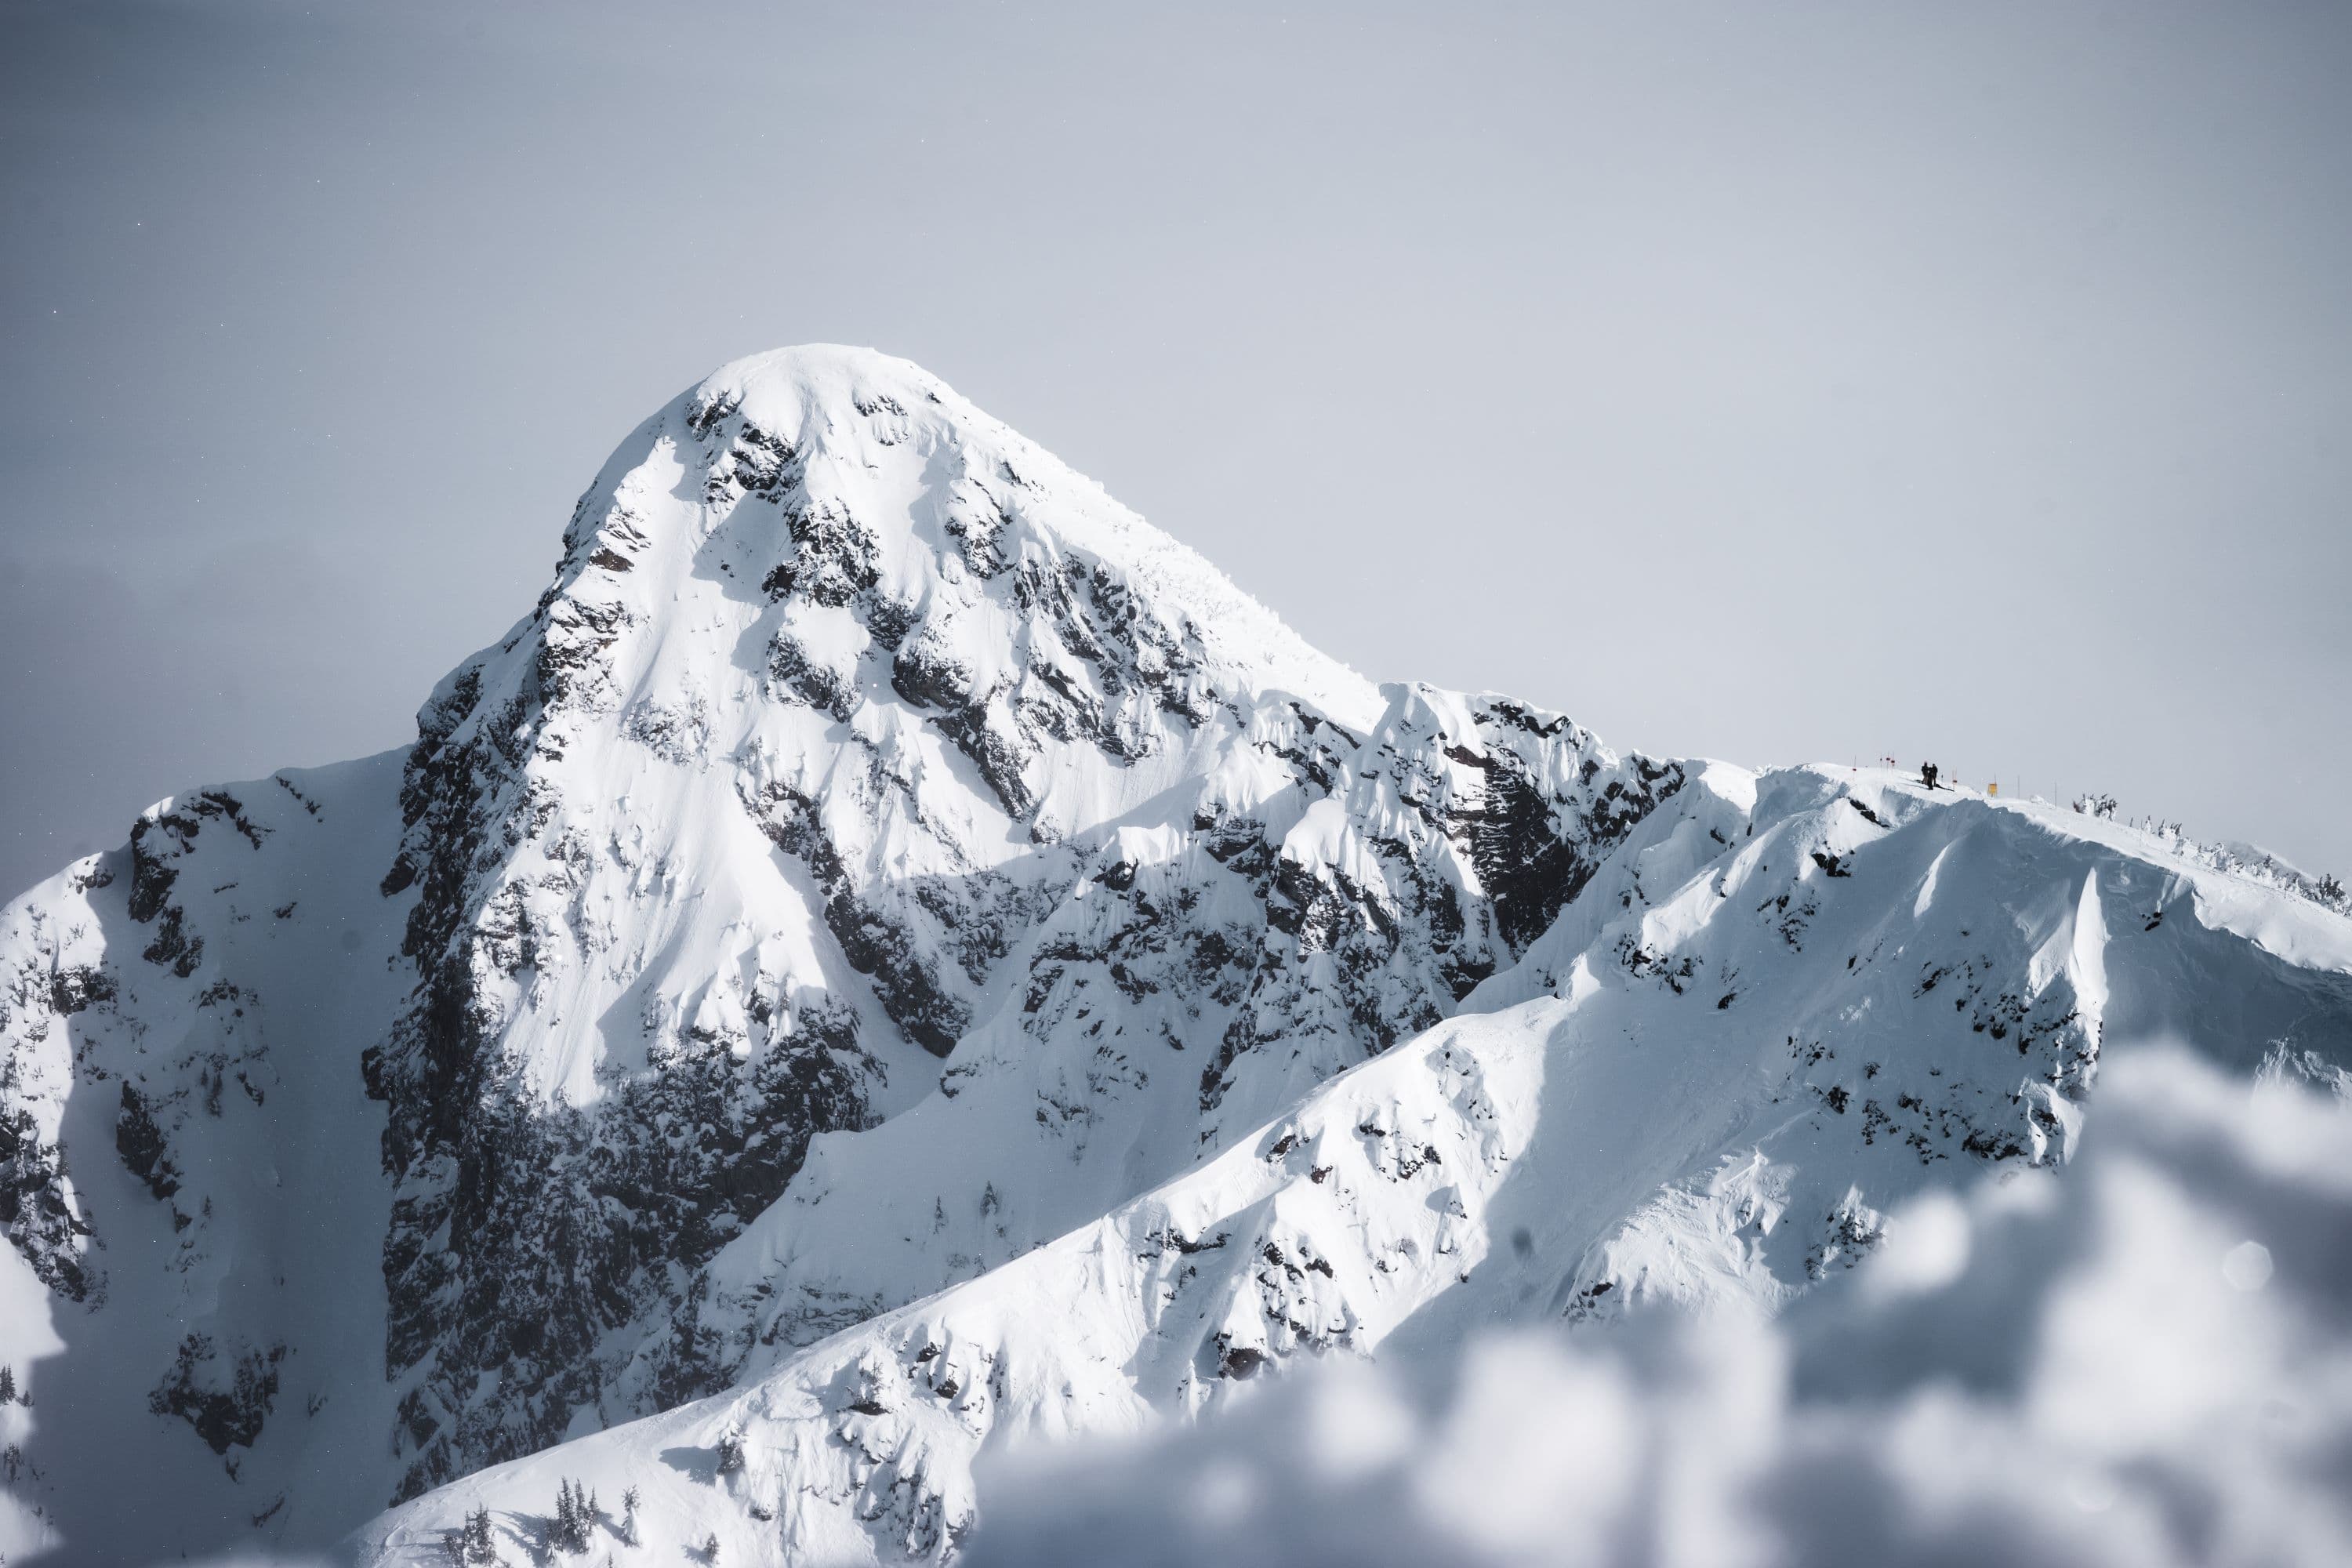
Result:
[{"x": 895, "y": 953}]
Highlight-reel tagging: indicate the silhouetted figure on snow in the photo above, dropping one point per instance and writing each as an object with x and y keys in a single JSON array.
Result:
[{"x": 1927, "y": 774}]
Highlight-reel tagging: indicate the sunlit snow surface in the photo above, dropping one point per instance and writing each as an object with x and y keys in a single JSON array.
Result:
[
  {"x": 895, "y": 959},
  {"x": 2147, "y": 1361}
]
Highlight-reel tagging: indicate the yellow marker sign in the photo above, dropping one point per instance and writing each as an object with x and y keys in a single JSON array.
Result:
[{"x": 1993, "y": 788}]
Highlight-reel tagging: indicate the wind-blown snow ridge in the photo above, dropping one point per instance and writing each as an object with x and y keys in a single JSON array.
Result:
[{"x": 893, "y": 951}]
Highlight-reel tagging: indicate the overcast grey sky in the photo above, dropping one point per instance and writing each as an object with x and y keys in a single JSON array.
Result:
[{"x": 1777, "y": 383}]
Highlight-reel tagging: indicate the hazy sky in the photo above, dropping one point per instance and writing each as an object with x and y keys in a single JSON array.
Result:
[{"x": 1777, "y": 383}]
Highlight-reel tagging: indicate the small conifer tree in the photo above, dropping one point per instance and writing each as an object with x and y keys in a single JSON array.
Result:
[
  {"x": 574, "y": 1517},
  {"x": 480, "y": 1550}
]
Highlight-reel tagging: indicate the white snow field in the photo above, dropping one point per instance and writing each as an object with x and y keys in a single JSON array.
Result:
[{"x": 895, "y": 959}]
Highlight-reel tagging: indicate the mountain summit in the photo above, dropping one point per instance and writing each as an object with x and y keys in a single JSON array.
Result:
[{"x": 893, "y": 951}]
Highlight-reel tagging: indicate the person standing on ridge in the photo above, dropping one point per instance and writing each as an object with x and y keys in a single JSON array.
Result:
[{"x": 1927, "y": 774}]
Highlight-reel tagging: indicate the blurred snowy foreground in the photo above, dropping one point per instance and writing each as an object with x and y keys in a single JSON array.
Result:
[{"x": 2146, "y": 1362}]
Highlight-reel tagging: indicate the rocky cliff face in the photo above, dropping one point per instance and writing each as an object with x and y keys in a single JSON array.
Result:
[
  {"x": 877, "y": 856},
  {"x": 866, "y": 693}
]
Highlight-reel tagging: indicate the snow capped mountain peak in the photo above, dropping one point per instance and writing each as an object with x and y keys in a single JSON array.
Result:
[
  {"x": 893, "y": 951},
  {"x": 852, "y": 482},
  {"x": 853, "y": 724}
]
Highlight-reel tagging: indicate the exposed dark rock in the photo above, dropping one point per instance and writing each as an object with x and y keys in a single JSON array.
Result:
[
  {"x": 837, "y": 557},
  {"x": 226, "y": 1398},
  {"x": 74, "y": 990},
  {"x": 142, "y": 1144},
  {"x": 560, "y": 1224},
  {"x": 46, "y": 1229}
]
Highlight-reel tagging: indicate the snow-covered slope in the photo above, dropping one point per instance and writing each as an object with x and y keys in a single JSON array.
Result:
[
  {"x": 894, "y": 951},
  {"x": 192, "y": 1294},
  {"x": 2099, "y": 1368},
  {"x": 1798, "y": 1000}
]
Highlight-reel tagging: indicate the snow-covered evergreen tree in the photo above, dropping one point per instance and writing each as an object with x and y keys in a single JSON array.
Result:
[
  {"x": 576, "y": 1517},
  {"x": 478, "y": 1548}
]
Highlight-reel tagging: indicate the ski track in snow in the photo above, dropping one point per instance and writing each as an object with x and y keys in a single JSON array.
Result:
[{"x": 893, "y": 952}]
